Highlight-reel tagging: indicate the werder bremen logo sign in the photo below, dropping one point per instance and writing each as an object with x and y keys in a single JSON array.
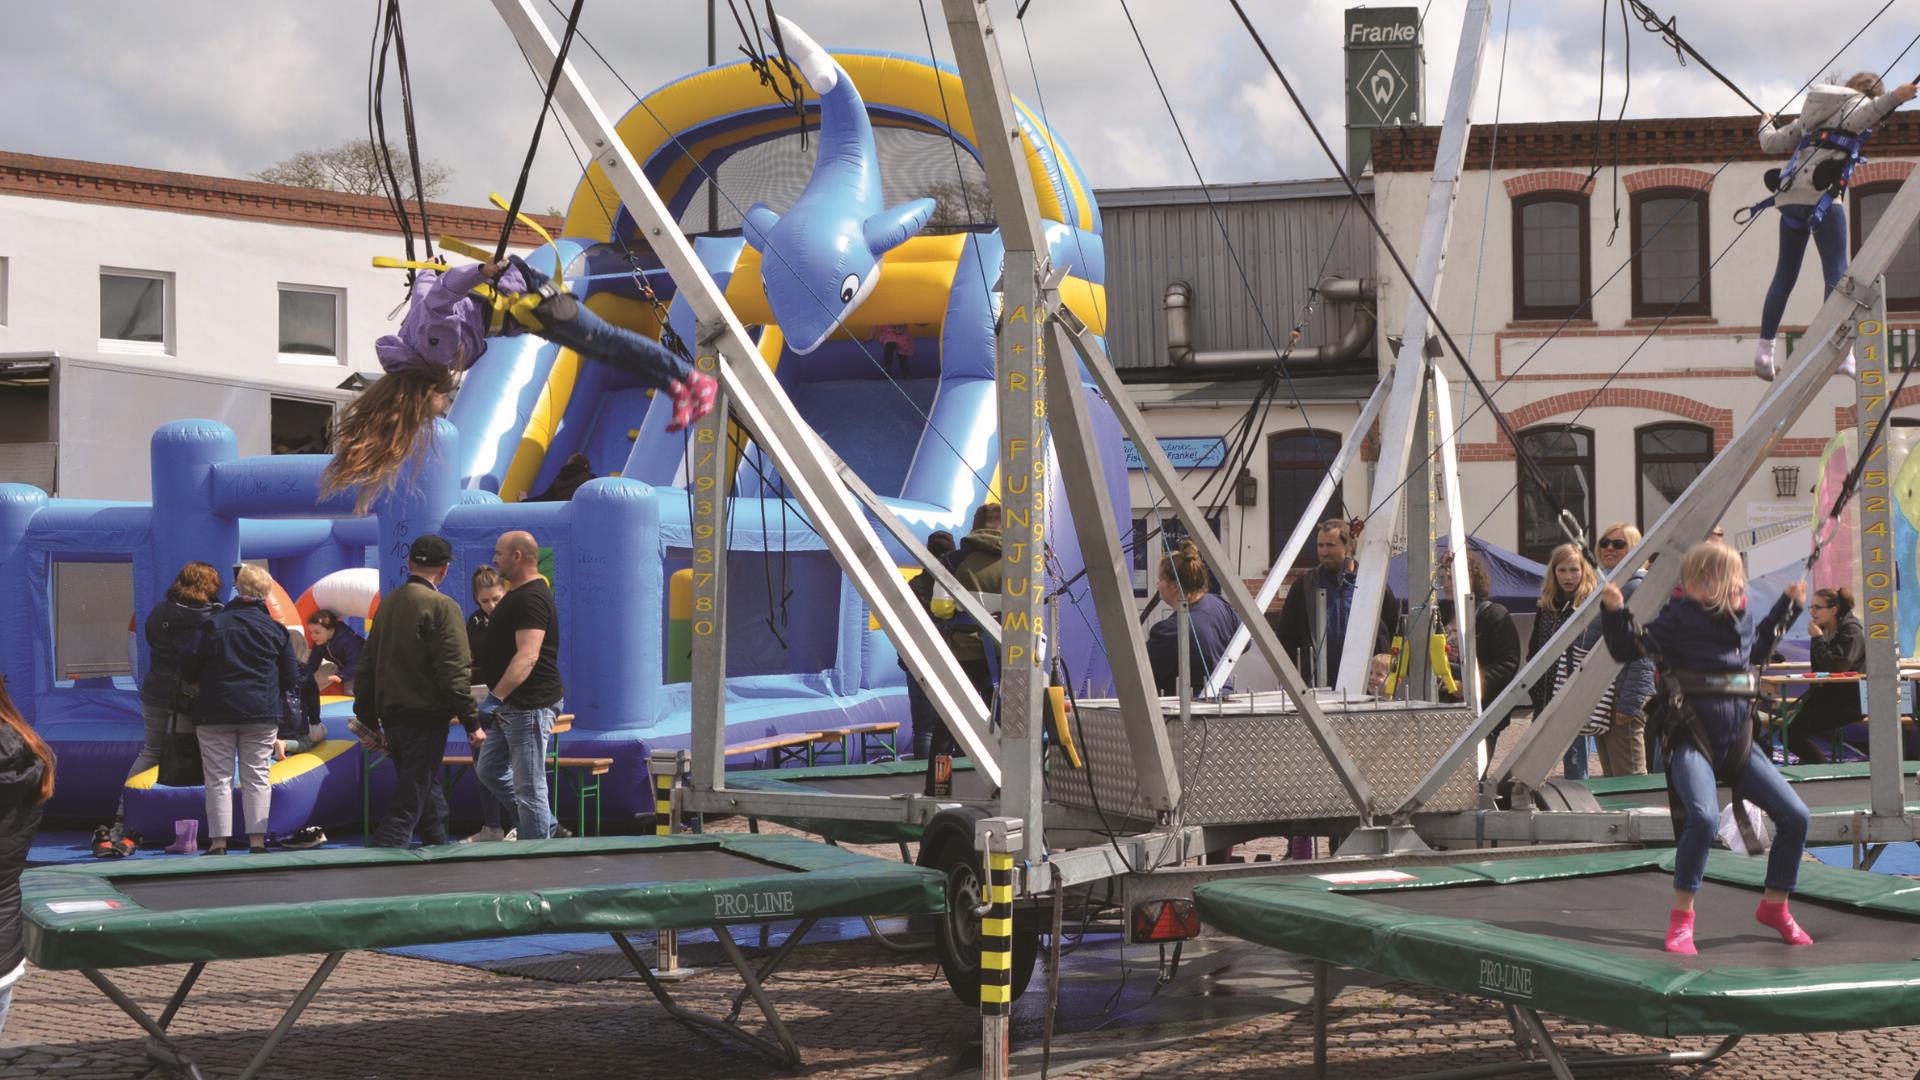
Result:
[{"x": 1382, "y": 86}]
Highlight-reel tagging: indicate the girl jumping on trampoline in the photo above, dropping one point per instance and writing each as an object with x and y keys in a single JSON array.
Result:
[
  {"x": 453, "y": 311},
  {"x": 1705, "y": 644},
  {"x": 1810, "y": 190}
]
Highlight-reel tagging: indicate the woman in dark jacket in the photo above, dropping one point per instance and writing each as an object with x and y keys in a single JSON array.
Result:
[
  {"x": 1839, "y": 643},
  {"x": 243, "y": 661},
  {"x": 26, "y": 783},
  {"x": 1496, "y": 642},
  {"x": 170, "y": 627}
]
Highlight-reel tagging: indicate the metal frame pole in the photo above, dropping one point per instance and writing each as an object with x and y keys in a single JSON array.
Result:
[
  {"x": 1456, "y": 539},
  {"x": 1873, "y": 408},
  {"x": 1232, "y": 588},
  {"x": 1030, "y": 395},
  {"x": 1303, "y": 531},
  {"x": 760, "y": 405},
  {"x": 1396, "y": 432},
  {"x": 1420, "y": 594},
  {"x": 707, "y": 460}
]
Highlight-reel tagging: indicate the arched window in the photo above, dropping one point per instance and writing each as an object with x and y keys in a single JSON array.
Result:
[
  {"x": 1550, "y": 255},
  {"x": 1670, "y": 259},
  {"x": 1296, "y": 463},
  {"x": 1903, "y": 273},
  {"x": 1667, "y": 457},
  {"x": 1565, "y": 455}
]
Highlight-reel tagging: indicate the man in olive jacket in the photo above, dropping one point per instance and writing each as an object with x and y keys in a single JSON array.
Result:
[{"x": 416, "y": 676}]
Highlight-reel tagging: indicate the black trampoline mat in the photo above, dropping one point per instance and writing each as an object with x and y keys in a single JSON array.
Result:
[
  {"x": 1627, "y": 913},
  {"x": 377, "y": 881},
  {"x": 1818, "y": 793},
  {"x": 967, "y": 784}
]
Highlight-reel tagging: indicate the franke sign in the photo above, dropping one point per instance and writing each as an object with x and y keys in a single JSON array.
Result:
[
  {"x": 1383, "y": 66},
  {"x": 1402, "y": 33}
]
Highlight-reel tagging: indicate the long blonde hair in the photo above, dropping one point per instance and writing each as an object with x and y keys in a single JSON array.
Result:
[
  {"x": 1712, "y": 574},
  {"x": 376, "y": 435},
  {"x": 1550, "y": 585}
]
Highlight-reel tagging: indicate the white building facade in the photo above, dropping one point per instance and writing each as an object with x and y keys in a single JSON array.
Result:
[{"x": 1617, "y": 322}]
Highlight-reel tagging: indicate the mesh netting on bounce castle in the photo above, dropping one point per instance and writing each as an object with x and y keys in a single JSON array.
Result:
[{"x": 901, "y": 386}]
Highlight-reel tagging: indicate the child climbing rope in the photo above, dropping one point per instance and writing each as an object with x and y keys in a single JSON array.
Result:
[
  {"x": 452, "y": 313},
  {"x": 1704, "y": 642},
  {"x": 1826, "y": 139}
]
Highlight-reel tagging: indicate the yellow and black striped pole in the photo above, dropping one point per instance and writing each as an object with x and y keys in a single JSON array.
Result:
[
  {"x": 997, "y": 839},
  {"x": 666, "y": 767}
]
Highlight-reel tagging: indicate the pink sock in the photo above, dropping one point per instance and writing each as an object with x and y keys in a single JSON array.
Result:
[
  {"x": 1680, "y": 932},
  {"x": 1779, "y": 918}
]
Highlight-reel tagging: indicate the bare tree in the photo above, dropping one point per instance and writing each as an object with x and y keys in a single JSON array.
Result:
[{"x": 355, "y": 168}]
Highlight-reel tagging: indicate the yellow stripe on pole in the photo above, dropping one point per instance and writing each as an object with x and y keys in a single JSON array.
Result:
[
  {"x": 1000, "y": 894},
  {"x": 995, "y": 995},
  {"x": 996, "y": 961},
  {"x": 996, "y": 927}
]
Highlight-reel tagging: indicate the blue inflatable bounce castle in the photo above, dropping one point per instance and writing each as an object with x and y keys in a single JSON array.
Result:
[{"x": 878, "y": 316}]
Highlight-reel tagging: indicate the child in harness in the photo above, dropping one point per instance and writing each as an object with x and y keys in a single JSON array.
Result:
[
  {"x": 1810, "y": 190},
  {"x": 452, "y": 313},
  {"x": 1705, "y": 643}
]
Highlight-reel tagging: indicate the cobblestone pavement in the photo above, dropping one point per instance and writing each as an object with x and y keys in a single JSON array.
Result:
[{"x": 854, "y": 1010}]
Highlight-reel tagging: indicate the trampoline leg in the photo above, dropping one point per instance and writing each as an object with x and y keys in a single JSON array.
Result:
[
  {"x": 1521, "y": 1039},
  {"x": 160, "y": 1048},
  {"x": 300, "y": 1003},
  {"x": 1873, "y": 854},
  {"x": 786, "y": 1052},
  {"x": 1320, "y": 991},
  {"x": 778, "y": 958},
  {"x": 179, "y": 997},
  {"x": 1544, "y": 1041}
]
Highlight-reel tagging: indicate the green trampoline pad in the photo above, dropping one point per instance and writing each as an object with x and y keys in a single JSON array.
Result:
[
  {"x": 182, "y": 910},
  {"x": 1826, "y": 789},
  {"x": 1580, "y": 936}
]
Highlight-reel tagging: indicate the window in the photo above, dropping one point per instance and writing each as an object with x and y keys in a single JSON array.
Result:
[
  {"x": 1296, "y": 463},
  {"x": 1667, "y": 457},
  {"x": 1670, "y": 261},
  {"x": 299, "y": 426},
  {"x": 1565, "y": 455},
  {"x": 1149, "y": 547},
  {"x": 1549, "y": 255},
  {"x": 1903, "y": 273},
  {"x": 134, "y": 310},
  {"x": 310, "y": 324}
]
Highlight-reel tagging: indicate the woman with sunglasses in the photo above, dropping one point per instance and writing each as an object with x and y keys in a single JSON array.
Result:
[
  {"x": 1837, "y": 642},
  {"x": 1623, "y": 746}
]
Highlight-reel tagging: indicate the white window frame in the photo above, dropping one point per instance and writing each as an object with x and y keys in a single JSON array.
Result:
[
  {"x": 163, "y": 347},
  {"x": 339, "y": 357}
]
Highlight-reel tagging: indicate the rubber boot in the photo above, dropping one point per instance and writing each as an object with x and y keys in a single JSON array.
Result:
[
  {"x": 1777, "y": 918},
  {"x": 1680, "y": 933},
  {"x": 186, "y": 837}
]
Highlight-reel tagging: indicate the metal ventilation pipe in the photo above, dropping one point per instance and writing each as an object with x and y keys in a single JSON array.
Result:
[{"x": 1178, "y": 305}]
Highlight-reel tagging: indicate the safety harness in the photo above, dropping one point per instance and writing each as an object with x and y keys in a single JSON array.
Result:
[
  {"x": 1830, "y": 177},
  {"x": 1682, "y": 721}
]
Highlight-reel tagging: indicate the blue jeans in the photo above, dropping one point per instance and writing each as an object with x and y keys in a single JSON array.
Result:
[
  {"x": 512, "y": 764},
  {"x": 1694, "y": 783},
  {"x": 1575, "y": 761},
  {"x": 1830, "y": 237},
  {"x": 571, "y": 323}
]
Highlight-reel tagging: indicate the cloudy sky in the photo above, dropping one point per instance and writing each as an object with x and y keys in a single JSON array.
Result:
[{"x": 227, "y": 89}]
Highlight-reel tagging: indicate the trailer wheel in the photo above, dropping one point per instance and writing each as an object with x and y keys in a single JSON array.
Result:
[{"x": 947, "y": 846}]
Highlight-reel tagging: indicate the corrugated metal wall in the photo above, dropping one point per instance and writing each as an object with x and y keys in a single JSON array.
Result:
[{"x": 1281, "y": 238}]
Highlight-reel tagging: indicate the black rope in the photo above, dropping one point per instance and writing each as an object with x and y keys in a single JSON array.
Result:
[
  {"x": 385, "y": 32},
  {"x": 1527, "y": 463},
  {"x": 793, "y": 94},
  {"x": 413, "y": 139},
  {"x": 539, "y": 125},
  {"x": 1852, "y": 482},
  {"x": 1669, "y": 31}
]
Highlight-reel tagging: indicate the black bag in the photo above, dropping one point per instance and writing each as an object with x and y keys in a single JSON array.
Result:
[{"x": 180, "y": 764}]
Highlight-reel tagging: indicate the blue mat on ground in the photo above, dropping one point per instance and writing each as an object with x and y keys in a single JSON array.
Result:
[{"x": 1901, "y": 859}]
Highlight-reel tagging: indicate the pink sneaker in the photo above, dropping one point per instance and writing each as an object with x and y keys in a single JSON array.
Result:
[
  {"x": 692, "y": 399},
  {"x": 1680, "y": 933},
  {"x": 1777, "y": 918}
]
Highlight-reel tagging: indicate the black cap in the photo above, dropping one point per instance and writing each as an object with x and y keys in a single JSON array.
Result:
[{"x": 430, "y": 550}]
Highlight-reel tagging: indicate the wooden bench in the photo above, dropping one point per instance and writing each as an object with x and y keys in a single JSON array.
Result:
[
  {"x": 843, "y": 738},
  {"x": 587, "y": 773},
  {"x": 562, "y": 724},
  {"x": 779, "y": 749}
]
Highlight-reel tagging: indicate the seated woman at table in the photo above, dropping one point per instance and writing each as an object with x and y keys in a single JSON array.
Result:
[{"x": 1838, "y": 643}]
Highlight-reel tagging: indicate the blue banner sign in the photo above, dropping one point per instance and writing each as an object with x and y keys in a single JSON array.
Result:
[{"x": 1204, "y": 452}]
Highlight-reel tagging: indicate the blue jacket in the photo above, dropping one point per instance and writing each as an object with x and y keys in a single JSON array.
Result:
[
  {"x": 243, "y": 661},
  {"x": 1211, "y": 624},
  {"x": 1691, "y": 638}
]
